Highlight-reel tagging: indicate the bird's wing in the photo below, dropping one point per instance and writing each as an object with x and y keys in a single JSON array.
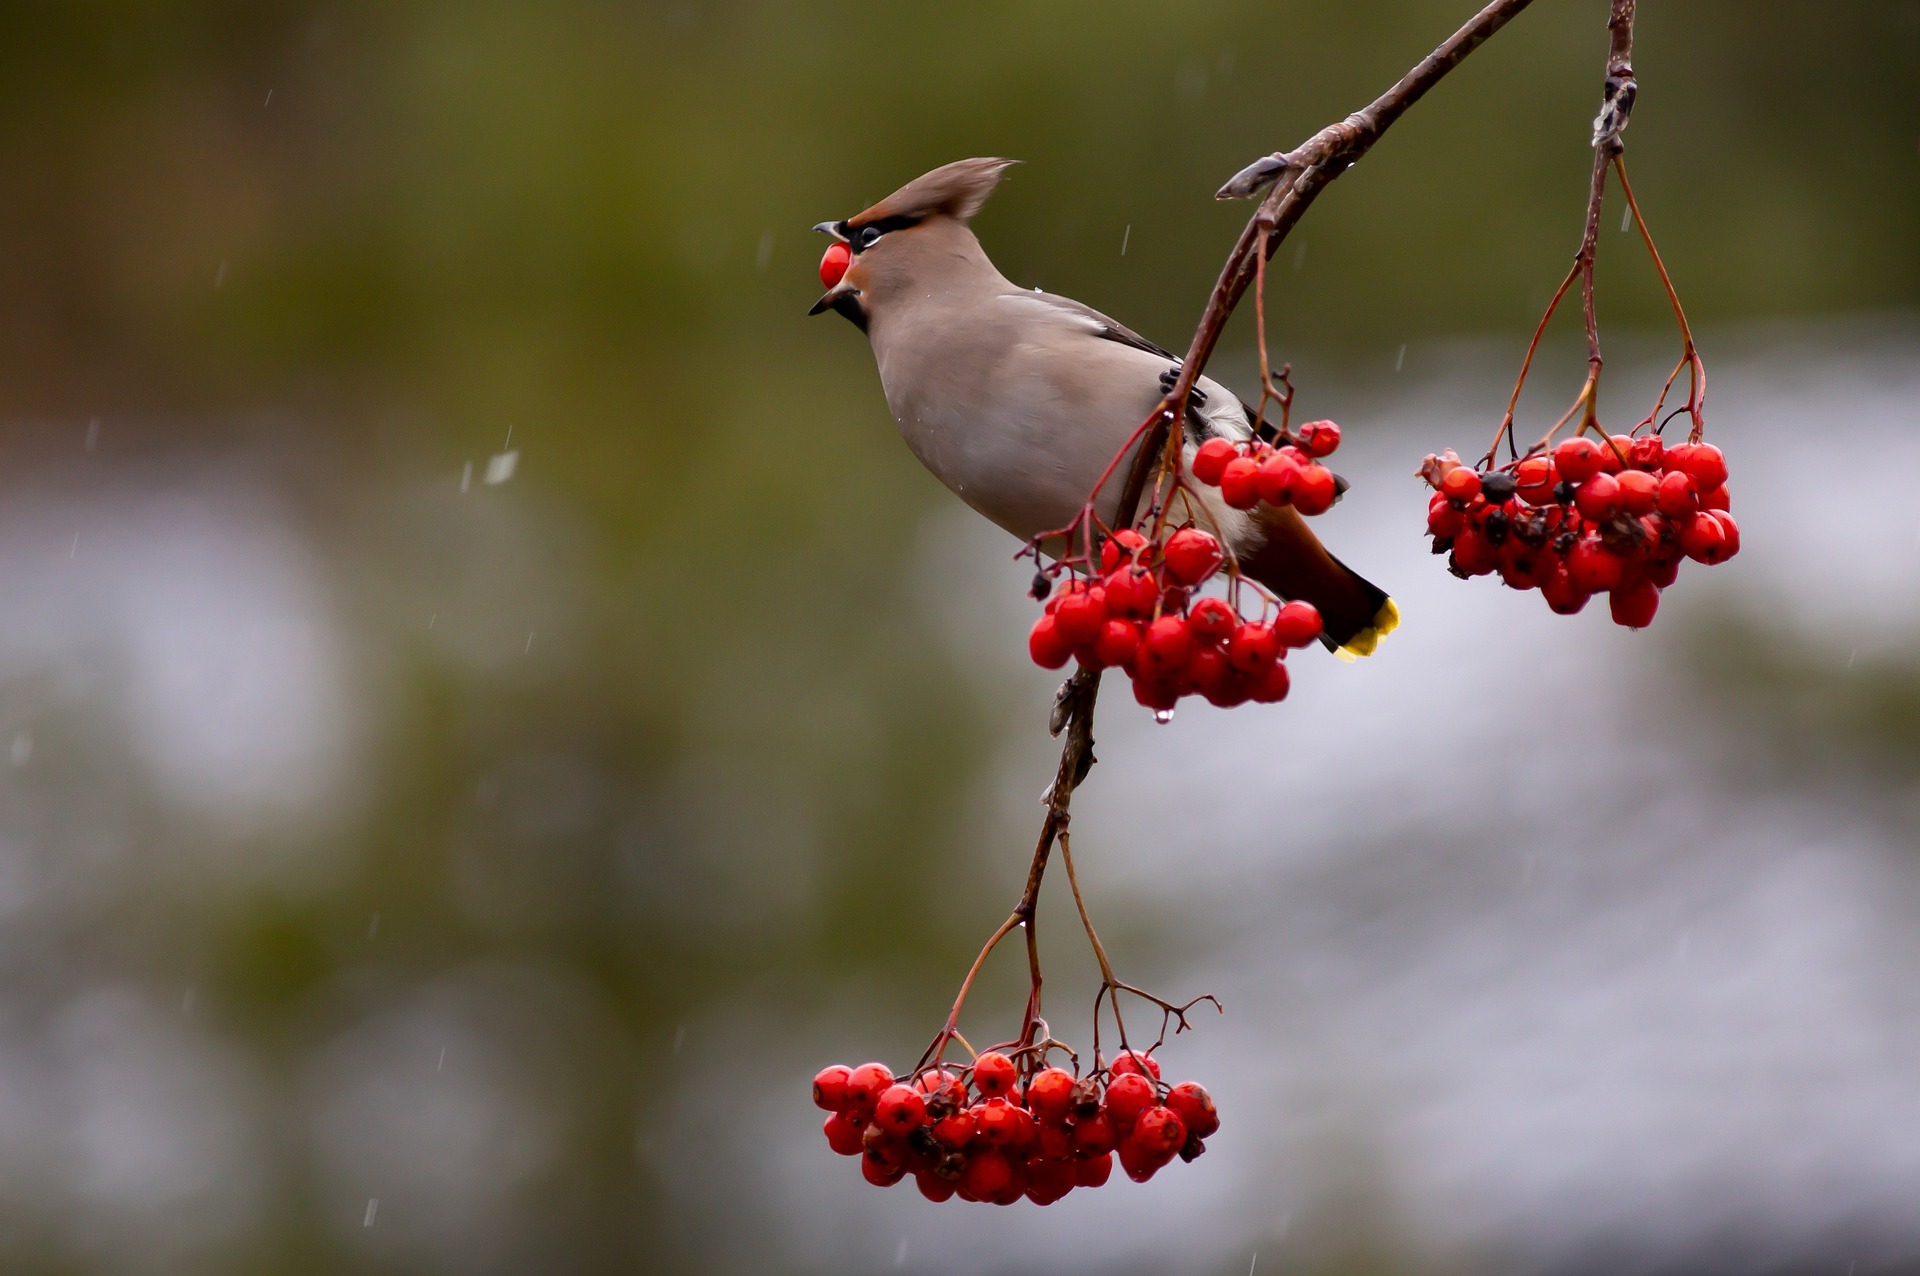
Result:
[{"x": 1210, "y": 405}]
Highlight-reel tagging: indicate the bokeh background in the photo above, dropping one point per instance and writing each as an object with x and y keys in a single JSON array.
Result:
[{"x": 488, "y": 705}]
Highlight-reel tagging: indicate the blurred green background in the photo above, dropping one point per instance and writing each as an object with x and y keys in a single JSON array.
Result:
[{"x": 493, "y": 705}]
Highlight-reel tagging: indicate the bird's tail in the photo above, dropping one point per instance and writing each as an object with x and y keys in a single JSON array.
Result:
[{"x": 1294, "y": 564}]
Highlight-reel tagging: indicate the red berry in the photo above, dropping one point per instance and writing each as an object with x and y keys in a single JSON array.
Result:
[
  {"x": 1473, "y": 553},
  {"x": 1094, "y": 1171},
  {"x": 1733, "y": 533},
  {"x": 1577, "y": 460},
  {"x": 1195, "y": 1106},
  {"x": 1240, "y": 483},
  {"x": 1706, "y": 463},
  {"x": 1534, "y": 479},
  {"x": 1048, "y": 1181},
  {"x": 1131, "y": 592},
  {"x": 1046, "y": 645},
  {"x": 1080, "y": 614},
  {"x": 1562, "y": 595},
  {"x": 1314, "y": 490},
  {"x": 1716, "y": 499},
  {"x": 1662, "y": 571},
  {"x": 830, "y": 1087},
  {"x": 994, "y": 1074},
  {"x": 1460, "y": 485},
  {"x": 1192, "y": 555},
  {"x": 955, "y": 1131},
  {"x": 844, "y": 1133},
  {"x": 1211, "y": 620},
  {"x": 933, "y": 1187},
  {"x": 1252, "y": 648},
  {"x": 1649, "y": 452},
  {"x": 1273, "y": 683},
  {"x": 1591, "y": 567},
  {"x": 1211, "y": 459},
  {"x": 1095, "y": 1135},
  {"x": 1319, "y": 438},
  {"x": 1599, "y": 497},
  {"x": 1134, "y": 1061},
  {"x": 998, "y": 1123},
  {"x": 1616, "y": 452},
  {"x": 1053, "y": 1140},
  {"x": 1443, "y": 519},
  {"x": 901, "y": 1110},
  {"x": 1277, "y": 477},
  {"x": 1297, "y": 623},
  {"x": 833, "y": 264},
  {"x": 1160, "y": 1132},
  {"x": 1165, "y": 648},
  {"x": 865, "y": 1085},
  {"x": 1119, "y": 548},
  {"x": 1128, "y": 1095},
  {"x": 882, "y": 1173},
  {"x": 1137, "y": 1161},
  {"x": 1638, "y": 491},
  {"x": 1634, "y": 602},
  {"x": 1704, "y": 539},
  {"x": 987, "y": 1174},
  {"x": 1679, "y": 495},
  {"x": 1154, "y": 693},
  {"x": 1117, "y": 642}
]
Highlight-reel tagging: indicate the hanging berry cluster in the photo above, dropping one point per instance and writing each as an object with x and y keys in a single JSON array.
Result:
[
  {"x": 1137, "y": 612},
  {"x": 988, "y": 1133},
  {"x": 1615, "y": 517}
]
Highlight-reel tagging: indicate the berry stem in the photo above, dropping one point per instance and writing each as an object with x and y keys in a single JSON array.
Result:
[{"x": 1690, "y": 356}]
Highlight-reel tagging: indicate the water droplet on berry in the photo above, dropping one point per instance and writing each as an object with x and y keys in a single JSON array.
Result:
[{"x": 1163, "y": 716}]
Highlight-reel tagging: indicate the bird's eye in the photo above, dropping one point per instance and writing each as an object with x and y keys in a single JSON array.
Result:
[{"x": 868, "y": 237}]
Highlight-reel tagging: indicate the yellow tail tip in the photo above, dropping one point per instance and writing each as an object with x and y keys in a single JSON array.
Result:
[{"x": 1385, "y": 621}]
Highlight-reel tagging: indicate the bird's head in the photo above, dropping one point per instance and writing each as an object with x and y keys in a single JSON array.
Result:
[{"x": 887, "y": 249}]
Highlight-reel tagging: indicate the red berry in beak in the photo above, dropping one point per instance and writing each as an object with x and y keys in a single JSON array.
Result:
[{"x": 833, "y": 264}]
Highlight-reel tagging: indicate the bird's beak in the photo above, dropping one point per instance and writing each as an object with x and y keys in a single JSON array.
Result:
[
  {"x": 831, "y": 298},
  {"x": 832, "y": 228}
]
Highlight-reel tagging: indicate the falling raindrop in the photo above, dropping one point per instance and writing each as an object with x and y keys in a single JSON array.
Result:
[
  {"x": 1400, "y": 360},
  {"x": 373, "y": 1207},
  {"x": 764, "y": 257},
  {"x": 1125, "y": 235},
  {"x": 1300, "y": 255},
  {"x": 500, "y": 467},
  {"x": 466, "y": 476},
  {"x": 220, "y": 275},
  {"x": 93, "y": 433}
]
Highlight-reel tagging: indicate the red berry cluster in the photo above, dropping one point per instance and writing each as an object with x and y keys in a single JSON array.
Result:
[
  {"x": 1613, "y": 517},
  {"x": 1139, "y": 614},
  {"x": 1250, "y": 472},
  {"x": 1039, "y": 1140}
]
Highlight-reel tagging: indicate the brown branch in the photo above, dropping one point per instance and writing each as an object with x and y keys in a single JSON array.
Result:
[{"x": 1297, "y": 176}]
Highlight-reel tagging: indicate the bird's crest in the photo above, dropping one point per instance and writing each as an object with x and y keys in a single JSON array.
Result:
[{"x": 956, "y": 190}]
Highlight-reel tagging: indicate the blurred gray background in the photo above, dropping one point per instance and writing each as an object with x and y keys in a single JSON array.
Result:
[{"x": 478, "y": 668}]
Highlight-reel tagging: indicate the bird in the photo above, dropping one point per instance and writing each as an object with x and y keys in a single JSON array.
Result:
[{"x": 1018, "y": 399}]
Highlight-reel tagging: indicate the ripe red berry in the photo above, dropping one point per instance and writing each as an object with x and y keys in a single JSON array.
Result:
[
  {"x": 1135, "y": 1061},
  {"x": 1165, "y": 648},
  {"x": 1048, "y": 1181},
  {"x": 1272, "y": 683},
  {"x": 833, "y": 264},
  {"x": 1128, "y": 1095},
  {"x": 933, "y": 1187},
  {"x": 1160, "y": 1132},
  {"x": 1195, "y": 1106},
  {"x": 1315, "y": 489},
  {"x": 865, "y": 1085},
  {"x": 1716, "y": 499},
  {"x": 1633, "y": 603},
  {"x": 1460, "y": 485},
  {"x": 1599, "y": 497},
  {"x": 1577, "y": 460},
  {"x": 1119, "y": 548},
  {"x": 1240, "y": 483},
  {"x": 1590, "y": 566},
  {"x": 1679, "y": 495},
  {"x": 1616, "y": 453},
  {"x": 1053, "y": 1140},
  {"x": 1096, "y": 1134},
  {"x": 1473, "y": 553},
  {"x": 882, "y": 1172},
  {"x": 987, "y": 1174},
  {"x": 1117, "y": 642},
  {"x": 1706, "y": 463},
  {"x": 1046, "y": 645},
  {"x": 1733, "y": 533},
  {"x": 1080, "y": 614},
  {"x": 998, "y": 1123},
  {"x": 1252, "y": 648},
  {"x": 900, "y": 1111},
  {"x": 1443, "y": 519},
  {"x": 1131, "y": 592},
  {"x": 1563, "y": 596},
  {"x": 1662, "y": 571},
  {"x": 1319, "y": 438},
  {"x": 1192, "y": 555},
  {"x": 1534, "y": 479},
  {"x": 1137, "y": 1161},
  {"x": 1703, "y": 538},
  {"x": 955, "y": 1130},
  {"x": 1211, "y": 459},
  {"x": 994, "y": 1074},
  {"x": 1638, "y": 491},
  {"x": 1211, "y": 620},
  {"x": 1215, "y": 679},
  {"x": 1094, "y": 1171},
  {"x": 1153, "y": 692},
  {"x": 830, "y": 1087},
  {"x": 843, "y": 1133},
  {"x": 1278, "y": 475},
  {"x": 1297, "y": 623}
]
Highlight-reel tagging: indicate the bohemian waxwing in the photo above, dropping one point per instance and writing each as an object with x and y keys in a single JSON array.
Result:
[{"x": 1018, "y": 399}]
